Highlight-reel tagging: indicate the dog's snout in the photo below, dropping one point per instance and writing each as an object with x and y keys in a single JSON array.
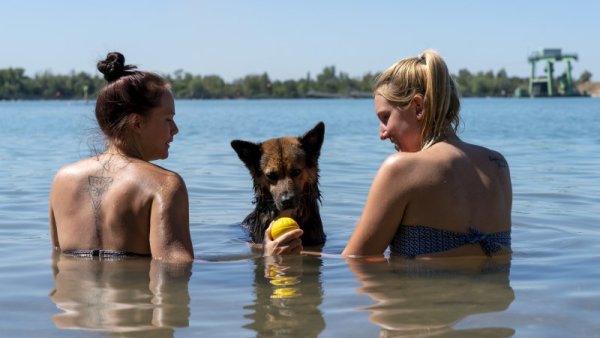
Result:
[{"x": 287, "y": 200}]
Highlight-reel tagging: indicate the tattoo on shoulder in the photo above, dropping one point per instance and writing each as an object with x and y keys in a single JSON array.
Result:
[
  {"x": 97, "y": 188},
  {"x": 500, "y": 162}
]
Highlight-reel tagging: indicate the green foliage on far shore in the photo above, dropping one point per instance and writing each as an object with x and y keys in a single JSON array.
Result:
[
  {"x": 485, "y": 84},
  {"x": 15, "y": 85}
]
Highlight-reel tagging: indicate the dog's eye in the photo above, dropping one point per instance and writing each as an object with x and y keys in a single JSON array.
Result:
[
  {"x": 295, "y": 173},
  {"x": 272, "y": 176}
]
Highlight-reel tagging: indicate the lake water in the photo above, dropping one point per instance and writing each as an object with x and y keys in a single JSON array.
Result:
[{"x": 550, "y": 287}]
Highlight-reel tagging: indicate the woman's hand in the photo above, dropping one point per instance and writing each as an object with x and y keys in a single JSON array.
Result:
[{"x": 287, "y": 244}]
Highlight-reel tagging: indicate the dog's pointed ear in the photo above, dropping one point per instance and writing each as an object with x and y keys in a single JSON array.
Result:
[
  {"x": 313, "y": 140},
  {"x": 249, "y": 153}
]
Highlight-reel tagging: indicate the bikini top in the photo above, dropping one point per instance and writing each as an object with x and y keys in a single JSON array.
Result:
[{"x": 415, "y": 240}]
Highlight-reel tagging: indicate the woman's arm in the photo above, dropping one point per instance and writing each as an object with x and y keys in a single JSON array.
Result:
[
  {"x": 53, "y": 233},
  {"x": 170, "y": 238},
  {"x": 385, "y": 206},
  {"x": 51, "y": 218}
]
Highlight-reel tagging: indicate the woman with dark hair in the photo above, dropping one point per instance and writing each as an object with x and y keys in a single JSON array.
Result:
[{"x": 117, "y": 203}]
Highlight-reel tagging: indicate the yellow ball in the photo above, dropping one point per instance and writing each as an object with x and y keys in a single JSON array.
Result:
[
  {"x": 282, "y": 225},
  {"x": 284, "y": 293}
]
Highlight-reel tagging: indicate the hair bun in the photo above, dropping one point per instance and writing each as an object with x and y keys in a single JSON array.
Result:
[{"x": 113, "y": 67}]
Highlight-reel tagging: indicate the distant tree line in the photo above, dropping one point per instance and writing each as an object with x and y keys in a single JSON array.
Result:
[
  {"x": 483, "y": 84},
  {"x": 15, "y": 85}
]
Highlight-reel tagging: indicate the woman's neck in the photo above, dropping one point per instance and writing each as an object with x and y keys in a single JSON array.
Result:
[
  {"x": 448, "y": 136},
  {"x": 114, "y": 149}
]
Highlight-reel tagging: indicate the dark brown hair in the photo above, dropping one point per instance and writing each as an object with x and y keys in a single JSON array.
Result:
[{"x": 128, "y": 91}]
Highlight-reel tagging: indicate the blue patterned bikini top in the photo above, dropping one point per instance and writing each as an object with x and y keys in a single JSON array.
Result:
[{"x": 415, "y": 240}]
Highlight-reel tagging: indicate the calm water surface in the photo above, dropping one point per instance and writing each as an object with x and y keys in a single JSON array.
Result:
[{"x": 548, "y": 289}]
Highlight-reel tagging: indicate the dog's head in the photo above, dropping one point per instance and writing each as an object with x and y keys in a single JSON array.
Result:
[{"x": 284, "y": 169}]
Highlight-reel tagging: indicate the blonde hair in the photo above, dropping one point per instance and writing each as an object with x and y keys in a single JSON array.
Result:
[{"x": 427, "y": 75}]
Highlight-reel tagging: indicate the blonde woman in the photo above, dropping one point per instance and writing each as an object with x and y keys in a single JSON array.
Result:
[{"x": 437, "y": 195}]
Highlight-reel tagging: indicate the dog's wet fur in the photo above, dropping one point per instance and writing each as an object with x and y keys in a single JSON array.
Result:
[{"x": 285, "y": 175}]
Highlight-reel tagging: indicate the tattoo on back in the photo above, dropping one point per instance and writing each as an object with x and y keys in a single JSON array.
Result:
[
  {"x": 97, "y": 187},
  {"x": 500, "y": 162}
]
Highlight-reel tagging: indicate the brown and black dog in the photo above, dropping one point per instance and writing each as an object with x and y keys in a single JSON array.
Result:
[{"x": 285, "y": 175}]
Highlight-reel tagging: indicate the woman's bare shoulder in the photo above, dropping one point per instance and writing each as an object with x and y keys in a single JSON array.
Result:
[
  {"x": 130, "y": 173},
  {"x": 412, "y": 166},
  {"x": 403, "y": 172},
  {"x": 76, "y": 169},
  {"x": 485, "y": 154},
  {"x": 158, "y": 173},
  {"x": 160, "y": 182},
  {"x": 401, "y": 162}
]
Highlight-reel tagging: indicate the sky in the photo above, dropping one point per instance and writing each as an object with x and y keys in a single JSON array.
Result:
[{"x": 288, "y": 39}]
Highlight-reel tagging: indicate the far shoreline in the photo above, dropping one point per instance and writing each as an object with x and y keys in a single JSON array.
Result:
[{"x": 92, "y": 101}]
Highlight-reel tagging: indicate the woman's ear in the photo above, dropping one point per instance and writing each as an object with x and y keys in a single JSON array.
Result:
[
  {"x": 135, "y": 121},
  {"x": 419, "y": 107}
]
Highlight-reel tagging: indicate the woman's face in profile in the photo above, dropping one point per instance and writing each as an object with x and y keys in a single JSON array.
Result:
[
  {"x": 158, "y": 129},
  {"x": 398, "y": 124}
]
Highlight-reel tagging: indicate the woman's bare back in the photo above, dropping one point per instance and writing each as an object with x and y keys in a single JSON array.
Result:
[
  {"x": 106, "y": 202},
  {"x": 466, "y": 185}
]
